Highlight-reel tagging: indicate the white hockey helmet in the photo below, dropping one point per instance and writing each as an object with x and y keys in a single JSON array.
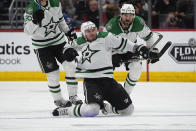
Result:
[
  {"x": 87, "y": 25},
  {"x": 127, "y": 8}
]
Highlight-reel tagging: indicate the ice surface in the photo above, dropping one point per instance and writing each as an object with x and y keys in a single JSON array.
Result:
[{"x": 27, "y": 106}]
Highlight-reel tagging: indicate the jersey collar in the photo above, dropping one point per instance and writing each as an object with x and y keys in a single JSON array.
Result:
[
  {"x": 125, "y": 31},
  {"x": 44, "y": 8}
]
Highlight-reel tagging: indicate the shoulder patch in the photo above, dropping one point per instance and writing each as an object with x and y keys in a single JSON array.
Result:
[
  {"x": 109, "y": 26},
  {"x": 113, "y": 26},
  {"x": 31, "y": 7},
  {"x": 29, "y": 10},
  {"x": 141, "y": 21},
  {"x": 80, "y": 40}
]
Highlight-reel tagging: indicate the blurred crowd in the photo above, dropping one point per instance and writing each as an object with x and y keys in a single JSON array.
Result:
[{"x": 164, "y": 13}]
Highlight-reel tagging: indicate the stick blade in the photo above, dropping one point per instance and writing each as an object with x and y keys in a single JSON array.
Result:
[{"x": 165, "y": 48}]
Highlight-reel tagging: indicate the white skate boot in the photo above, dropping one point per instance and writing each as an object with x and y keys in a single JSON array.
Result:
[{"x": 60, "y": 111}]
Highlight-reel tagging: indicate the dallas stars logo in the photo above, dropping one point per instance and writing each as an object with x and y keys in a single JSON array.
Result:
[
  {"x": 50, "y": 27},
  {"x": 87, "y": 54}
]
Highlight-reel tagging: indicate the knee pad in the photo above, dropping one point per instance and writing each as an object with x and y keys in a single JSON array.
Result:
[
  {"x": 127, "y": 111},
  {"x": 90, "y": 110},
  {"x": 135, "y": 69},
  {"x": 69, "y": 68},
  {"x": 53, "y": 78}
]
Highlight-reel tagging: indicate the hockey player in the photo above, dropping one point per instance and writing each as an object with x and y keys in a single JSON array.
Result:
[
  {"x": 95, "y": 66},
  {"x": 129, "y": 26},
  {"x": 45, "y": 24}
]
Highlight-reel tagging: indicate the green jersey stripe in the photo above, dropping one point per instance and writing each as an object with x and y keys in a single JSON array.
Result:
[
  {"x": 72, "y": 83},
  {"x": 55, "y": 91},
  {"x": 47, "y": 39},
  {"x": 120, "y": 44},
  {"x": 95, "y": 70},
  {"x": 51, "y": 43},
  {"x": 124, "y": 45}
]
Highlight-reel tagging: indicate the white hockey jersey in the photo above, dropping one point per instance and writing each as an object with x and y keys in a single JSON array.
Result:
[
  {"x": 52, "y": 28},
  {"x": 96, "y": 56},
  {"x": 137, "y": 28}
]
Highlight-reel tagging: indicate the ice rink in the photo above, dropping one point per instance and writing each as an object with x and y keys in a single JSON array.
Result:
[{"x": 27, "y": 106}]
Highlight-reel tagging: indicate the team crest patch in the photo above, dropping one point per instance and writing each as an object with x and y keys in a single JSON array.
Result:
[
  {"x": 142, "y": 21},
  {"x": 29, "y": 11},
  {"x": 109, "y": 27}
]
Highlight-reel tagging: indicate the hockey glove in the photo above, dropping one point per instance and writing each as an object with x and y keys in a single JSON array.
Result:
[
  {"x": 71, "y": 34},
  {"x": 116, "y": 60},
  {"x": 70, "y": 54},
  {"x": 143, "y": 51},
  {"x": 146, "y": 53},
  {"x": 154, "y": 51},
  {"x": 38, "y": 16}
]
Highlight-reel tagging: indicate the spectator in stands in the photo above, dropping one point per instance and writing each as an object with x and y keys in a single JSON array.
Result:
[
  {"x": 93, "y": 14},
  {"x": 185, "y": 12},
  {"x": 161, "y": 10},
  {"x": 67, "y": 7},
  {"x": 81, "y": 9},
  {"x": 121, "y": 2},
  {"x": 141, "y": 9},
  {"x": 72, "y": 23},
  {"x": 112, "y": 11}
]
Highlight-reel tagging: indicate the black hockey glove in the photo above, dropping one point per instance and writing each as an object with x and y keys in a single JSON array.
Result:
[
  {"x": 116, "y": 60},
  {"x": 143, "y": 51},
  {"x": 146, "y": 53},
  {"x": 70, "y": 54},
  {"x": 71, "y": 34},
  {"x": 155, "y": 50},
  {"x": 38, "y": 17}
]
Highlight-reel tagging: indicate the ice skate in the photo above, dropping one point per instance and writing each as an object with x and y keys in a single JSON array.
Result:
[
  {"x": 75, "y": 100},
  {"x": 62, "y": 103},
  {"x": 60, "y": 111}
]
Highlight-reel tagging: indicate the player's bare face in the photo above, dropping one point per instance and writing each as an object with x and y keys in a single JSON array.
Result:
[
  {"x": 43, "y": 2},
  {"x": 91, "y": 34},
  {"x": 126, "y": 20}
]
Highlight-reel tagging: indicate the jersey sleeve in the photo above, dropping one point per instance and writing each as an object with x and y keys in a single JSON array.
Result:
[
  {"x": 29, "y": 27},
  {"x": 120, "y": 44},
  {"x": 73, "y": 44},
  {"x": 147, "y": 35},
  {"x": 62, "y": 24},
  {"x": 144, "y": 33}
]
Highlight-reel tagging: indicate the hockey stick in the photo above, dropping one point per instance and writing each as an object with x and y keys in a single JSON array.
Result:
[
  {"x": 162, "y": 51},
  {"x": 39, "y": 7},
  {"x": 156, "y": 42}
]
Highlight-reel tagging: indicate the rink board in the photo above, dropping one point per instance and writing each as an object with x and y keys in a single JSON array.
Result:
[
  {"x": 119, "y": 76},
  {"x": 19, "y": 63}
]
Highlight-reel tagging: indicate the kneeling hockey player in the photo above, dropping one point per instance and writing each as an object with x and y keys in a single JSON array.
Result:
[{"x": 95, "y": 66}]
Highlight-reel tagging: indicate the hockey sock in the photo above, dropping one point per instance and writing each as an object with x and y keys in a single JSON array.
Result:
[
  {"x": 129, "y": 84},
  {"x": 72, "y": 86},
  {"x": 84, "y": 110},
  {"x": 56, "y": 92}
]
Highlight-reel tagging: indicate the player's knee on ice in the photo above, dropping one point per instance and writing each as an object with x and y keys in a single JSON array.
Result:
[
  {"x": 90, "y": 110},
  {"x": 127, "y": 111}
]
